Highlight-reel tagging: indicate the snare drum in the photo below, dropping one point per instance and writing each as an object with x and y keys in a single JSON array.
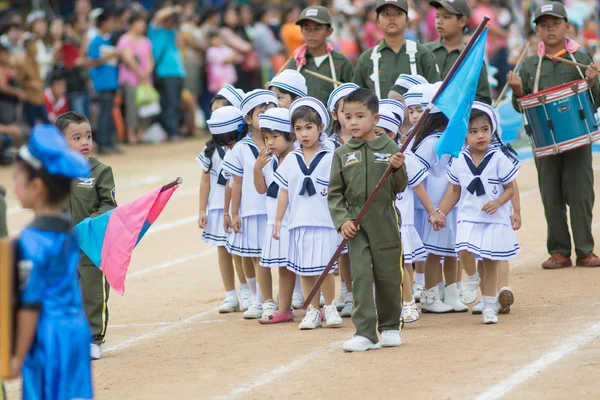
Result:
[{"x": 560, "y": 118}]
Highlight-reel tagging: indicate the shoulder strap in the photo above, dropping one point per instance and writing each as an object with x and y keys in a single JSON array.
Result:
[
  {"x": 253, "y": 149},
  {"x": 411, "y": 50},
  {"x": 375, "y": 56}
]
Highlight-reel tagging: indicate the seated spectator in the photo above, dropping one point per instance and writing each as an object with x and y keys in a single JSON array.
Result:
[
  {"x": 220, "y": 59},
  {"x": 55, "y": 97},
  {"x": 10, "y": 93},
  {"x": 13, "y": 41},
  {"x": 30, "y": 78}
]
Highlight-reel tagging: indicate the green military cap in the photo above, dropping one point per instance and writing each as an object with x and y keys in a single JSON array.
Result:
[
  {"x": 458, "y": 7},
  {"x": 318, "y": 14},
  {"x": 401, "y": 4},
  {"x": 553, "y": 9}
]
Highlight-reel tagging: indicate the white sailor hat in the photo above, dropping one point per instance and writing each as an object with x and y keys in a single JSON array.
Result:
[
  {"x": 406, "y": 81},
  {"x": 395, "y": 106},
  {"x": 489, "y": 110},
  {"x": 429, "y": 91},
  {"x": 225, "y": 120},
  {"x": 313, "y": 103},
  {"x": 276, "y": 119},
  {"x": 256, "y": 98},
  {"x": 387, "y": 120},
  {"x": 339, "y": 93},
  {"x": 291, "y": 81},
  {"x": 413, "y": 96},
  {"x": 234, "y": 96}
]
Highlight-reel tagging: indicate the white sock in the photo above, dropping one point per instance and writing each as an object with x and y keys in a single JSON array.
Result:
[
  {"x": 348, "y": 296},
  {"x": 489, "y": 302},
  {"x": 343, "y": 289},
  {"x": 231, "y": 294},
  {"x": 244, "y": 286},
  {"x": 420, "y": 279},
  {"x": 298, "y": 286},
  {"x": 258, "y": 300},
  {"x": 459, "y": 285},
  {"x": 442, "y": 288},
  {"x": 472, "y": 282},
  {"x": 252, "y": 286}
]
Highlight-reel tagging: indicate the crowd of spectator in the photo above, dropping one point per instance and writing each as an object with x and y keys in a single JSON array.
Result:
[{"x": 135, "y": 71}]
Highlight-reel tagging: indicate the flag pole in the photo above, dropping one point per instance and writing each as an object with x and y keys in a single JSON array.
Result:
[
  {"x": 168, "y": 186},
  {"x": 389, "y": 169}
]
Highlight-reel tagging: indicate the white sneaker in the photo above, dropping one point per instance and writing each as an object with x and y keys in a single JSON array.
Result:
[
  {"x": 255, "y": 311},
  {"x": 390, "y": 339},
  {"x": 297, "y": 301},
  {"x": 477, "y": 308},
  {"x": 95, "y": 351},
  {"x": 431, "y": 302},
  {"x": 268, "y": 309},
  {"x": 347, "y": 310},
  {"x": 490, "y": 316},
  {"x": 312, "y": 319},
  {"x": 321, "y": 300},
  {"x": 410, "y": 311},
  {"x": 332, "y": 318},
  {"x": 229, "y": 305},
  {"x": 360, "y": 343},
  {"x": 453, "y": 299},
  {"x": 246, "y": 298},
  {"x": 417, "y": 289}
]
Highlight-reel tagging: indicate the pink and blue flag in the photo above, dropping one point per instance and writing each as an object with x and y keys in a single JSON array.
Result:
[{"x": 109, "y": 239}]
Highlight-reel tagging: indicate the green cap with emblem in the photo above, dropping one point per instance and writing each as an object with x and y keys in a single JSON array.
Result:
[
  {"x": 457, "y": 7},
  {"x": 318, "y": 14},
  {"x": 553, "y": 9},
  {"x": 401, "y": 4}
]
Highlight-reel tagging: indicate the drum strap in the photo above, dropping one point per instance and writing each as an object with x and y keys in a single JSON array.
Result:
[
  {"x": 332, "y": 68},
  {"x": 538, "y": 71},
  {"x": 375, "y": 56}
]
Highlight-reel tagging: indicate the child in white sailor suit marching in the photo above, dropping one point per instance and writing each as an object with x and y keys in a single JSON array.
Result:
[
  {"x": 223, "y": 126},
  {"x": 482, "y": 179},
  {"x": 303, "y": 178},
  {"x": 248, "y": 207}
]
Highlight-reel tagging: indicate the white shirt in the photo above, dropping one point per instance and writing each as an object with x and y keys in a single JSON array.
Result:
[
  {"x": 405, "y": 201},
  {"x": 268, "y": 172},
  {"x": 498, "y": 172},
  {"x": 240, "y": 162},
  {"x": 216, "y": 196},
  {"x": 306, "y": 210},
  {"x": 436, "y": 183}
]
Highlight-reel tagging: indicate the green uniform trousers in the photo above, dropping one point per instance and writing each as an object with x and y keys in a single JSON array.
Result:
[
  {"x": 376, "y": 244},
  {"x": 3, "y": 227},
  {"x": 568, "y": 179},
  {"x": 95, "y": 290}
]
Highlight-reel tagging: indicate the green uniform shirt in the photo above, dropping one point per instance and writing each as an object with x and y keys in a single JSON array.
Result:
[
  {"x": 554, "y": 74},
  {"x": 93, "y": 196},
  {"x": 3, "y": 227},
  {"x": 357, "y": 167},
  {"x": 318, "y": 87},
  {"x": 445, "y": 60},
  {"x": 391, "y": 65}
]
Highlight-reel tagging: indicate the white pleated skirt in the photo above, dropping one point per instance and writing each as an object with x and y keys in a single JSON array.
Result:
[
  {"x": 275, "y": 252},
  {"x": 311, "y": 249},
  {"x": 250, "y": 242},
  {"x": 412, "y": 245},
  {"x": 214, "y": 233},
  {"x": 488, "y": 241},
  {"x": 442, "y": 242}
]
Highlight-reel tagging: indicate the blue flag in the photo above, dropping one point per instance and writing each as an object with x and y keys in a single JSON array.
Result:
[{"x": 457, "y": 98}]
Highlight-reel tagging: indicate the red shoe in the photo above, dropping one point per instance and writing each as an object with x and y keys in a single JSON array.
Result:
[
  {"x": 557, "y": 261},
  {"x": 278, "y": 318},
  {"x": 590, "y": 261}
]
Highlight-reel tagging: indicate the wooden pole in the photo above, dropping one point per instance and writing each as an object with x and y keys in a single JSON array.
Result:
[
  {"x": 168, "y": 186},
  {"x": 569, "y": 62},
  {"x": 389, "y": 169},
  {"x": 515, "y": 69},
  {"x": 325, "y": 78}
]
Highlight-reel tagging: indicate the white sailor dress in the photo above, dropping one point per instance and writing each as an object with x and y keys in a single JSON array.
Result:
[
  {"x": 312, "y": 235},
  {"x": 440, "y": 242},
  {"x": 412, "y": 245},
  {"x": 253, "y": 209},
  {"x": 213, "y": 233},
  {"x": 274, "y": 252},
  {"x": 485, "y": 236}
]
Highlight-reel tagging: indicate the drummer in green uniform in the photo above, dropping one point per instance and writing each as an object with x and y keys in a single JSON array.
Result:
[
  {"x": 379, "y": 67},
  {"x": 90, "y": 197},
  {"x": 451, "y": 17},
  {"x": 566, "y": 178},
  {"x": 317, "y": 55}
]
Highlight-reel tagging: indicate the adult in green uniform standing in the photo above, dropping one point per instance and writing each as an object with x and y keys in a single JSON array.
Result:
[
  {"x": 90, "y": 197},
  {"x": 565, "y": 179},
  {"x": 451, "y": 17},
  {"x": 379, "y": 67},
  {"x": 3, "y": 227},
  {"x": 317, "y": 55}
]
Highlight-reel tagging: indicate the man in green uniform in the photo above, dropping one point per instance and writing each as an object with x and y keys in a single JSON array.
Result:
[
  {"x": 566, "y": 178},
  {"x": 379, "y": 67},
  {"x": 90, "y": 197},
  {"x": 318, "y": 55},
  {"x": 357, "y": 167},
  {"x": 451, "y": 19},
  {"x": 3, "y": 227}
]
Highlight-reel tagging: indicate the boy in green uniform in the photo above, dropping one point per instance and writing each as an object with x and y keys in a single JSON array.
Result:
[
  {"x": 379, "y": 67},
  {"x": 357, "y": 167},
  {"x": 317, "y": 55},
  {"x": 566, "y": 178},
  {"x": 451, "y": 17},
  {"x": 90, "y": 197}
]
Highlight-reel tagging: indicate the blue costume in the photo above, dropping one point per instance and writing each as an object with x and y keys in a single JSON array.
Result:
[{"x": 58, "y": 364}]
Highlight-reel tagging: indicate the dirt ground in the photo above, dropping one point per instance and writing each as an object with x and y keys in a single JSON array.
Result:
[{"x": 167, "y": 341}]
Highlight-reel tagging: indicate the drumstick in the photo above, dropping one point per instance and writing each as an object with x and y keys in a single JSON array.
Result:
[
  {"x": 576, "y": 64},
  {"x": 325, "y": 78},
  {"x": 515, "y": 69}
]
